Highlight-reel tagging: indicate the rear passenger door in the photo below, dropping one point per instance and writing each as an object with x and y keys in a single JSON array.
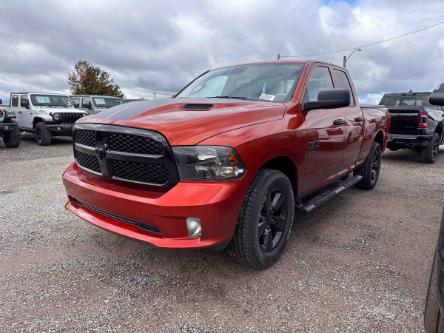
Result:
[
  {"x": 354, "y": 123},
  {"x": 15, "y": 106},
  {"x": 325, "y": 132}
]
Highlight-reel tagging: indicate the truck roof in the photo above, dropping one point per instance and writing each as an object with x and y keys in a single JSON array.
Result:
[
  {"x": 37, "y": 93},
  {"x": 94, "y": 96},
  {"x": 301, "y": 62},
  {"x": 409, "y": 93}
]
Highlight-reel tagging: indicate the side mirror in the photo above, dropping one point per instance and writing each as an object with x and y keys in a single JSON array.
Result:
[
  {"x": 437, "y": 97},
  {"x": 24, "y": 103},
  {"x": 1, "y": 101},
  {"x": 329, "y": 99},
  {"x": 76, "y": 104}
]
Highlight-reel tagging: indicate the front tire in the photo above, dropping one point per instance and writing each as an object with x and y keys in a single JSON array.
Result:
[
  {"x": 42, "y": 134},
  {"x": 371, "y": 168},
  {"x": 430, "y": 153},
  {"x": 12, "y": 139},
  {"x": 265, "y": 220}
]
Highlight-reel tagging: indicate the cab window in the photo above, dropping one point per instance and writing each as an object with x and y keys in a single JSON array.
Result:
[
  {"x": 15, "y": 100},
  {"x": 342, "y": 82},
  {"x": 320, "y": 79},
  {"x": 86, "y": 102},
  {"x": 24, "y": 101},
  {"x": 75, "y": 101}
]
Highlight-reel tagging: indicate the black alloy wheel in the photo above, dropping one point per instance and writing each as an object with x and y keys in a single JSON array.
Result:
[
  {"x": 272, "y": 220},
  {"x": 376, "y": 166},
  {"x": 371, "y": 168},
  {"x": 265, "y": 220}
]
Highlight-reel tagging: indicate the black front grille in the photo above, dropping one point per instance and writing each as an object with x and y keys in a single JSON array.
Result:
[
  {"x": 125, "y": 154},
  {"x": 140, "y": 172},
  {"x": 70, "y": 117},
  {"x": 87, "y": 161},
  {"x": 85, "y": 137},
  {"x": 134, "y": 144},
  {"x": 138, "y": 224}
]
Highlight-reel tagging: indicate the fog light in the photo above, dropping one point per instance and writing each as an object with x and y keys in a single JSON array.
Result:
[{"x": 193, "y": 226}]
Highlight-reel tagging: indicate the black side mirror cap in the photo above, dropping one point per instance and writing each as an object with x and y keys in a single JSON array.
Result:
[{"x": 329, "y": 99}]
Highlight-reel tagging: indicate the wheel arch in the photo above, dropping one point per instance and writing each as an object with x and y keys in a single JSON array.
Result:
[
  {"x": 379, "y": 138},
  {"x": 439, "y": 129},
  {"x": 286, "y": 165},
  {"x": 36, "y": 120}
]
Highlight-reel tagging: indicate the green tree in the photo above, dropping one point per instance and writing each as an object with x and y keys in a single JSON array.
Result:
[{"x": 87, "y": 79}]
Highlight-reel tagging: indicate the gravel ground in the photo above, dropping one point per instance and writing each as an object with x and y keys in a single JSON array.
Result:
[{"x": 359, "y": 263}]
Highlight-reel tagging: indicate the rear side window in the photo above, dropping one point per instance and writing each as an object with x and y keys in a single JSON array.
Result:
[
  {"x": 343, "y": 83},
  {"x": 15, "y": 100},
  {"x": 320, "y": 79}
]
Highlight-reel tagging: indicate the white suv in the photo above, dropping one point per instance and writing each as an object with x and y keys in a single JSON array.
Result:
[{"x": 44, "y": 114}]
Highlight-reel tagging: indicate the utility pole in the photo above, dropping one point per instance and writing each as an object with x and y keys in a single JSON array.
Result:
[{"x": 345, "y": 58}]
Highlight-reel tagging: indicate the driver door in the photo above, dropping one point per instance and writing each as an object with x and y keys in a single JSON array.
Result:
[{"x": 325, "y": 132}]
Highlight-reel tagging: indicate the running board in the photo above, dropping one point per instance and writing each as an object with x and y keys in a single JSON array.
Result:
[{"x": 324, "y": 195}]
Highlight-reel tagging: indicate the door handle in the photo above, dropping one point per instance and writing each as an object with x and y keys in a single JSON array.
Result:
[
  {"x": 359, "y": 119},
  {"x": 20, "y": 112},
  {"x": 339, "y": 122}
]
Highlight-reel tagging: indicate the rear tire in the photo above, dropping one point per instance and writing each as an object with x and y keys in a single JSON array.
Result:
[
  {"x": 12, "y": 139},
  {"x": 370, "y": 169},
  {"x": 42, "y": 134},
  {"x": 430, "y": 153},
  {"x": 265, "y": 220}
]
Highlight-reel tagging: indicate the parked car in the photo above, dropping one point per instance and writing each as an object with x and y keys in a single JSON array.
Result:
[
  {"x": 8, "y": 127},
  {"x": 94, "y": 103},
  {"x": 44, "y": 114},
  {"x": 228, "y": 159},
  {"x": 416, "y": 124},
  {"x": 434, "y": 310}
]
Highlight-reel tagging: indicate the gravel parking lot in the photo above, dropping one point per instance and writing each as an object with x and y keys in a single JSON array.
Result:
[{"x": 359, "y": 263}]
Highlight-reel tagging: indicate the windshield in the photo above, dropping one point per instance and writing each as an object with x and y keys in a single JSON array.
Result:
[
  {"x": 51, "y": 100},
  {"x": 407, "y": 100},
  {"x": 266, "y": 82},
  {"x": 106, "y": 102}
]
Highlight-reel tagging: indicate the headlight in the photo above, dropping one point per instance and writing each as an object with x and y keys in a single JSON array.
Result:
[
  {"x": 56, "y": 116},
  {"x": 208, "y": 163},
  {"x": 2, "y": 115}
]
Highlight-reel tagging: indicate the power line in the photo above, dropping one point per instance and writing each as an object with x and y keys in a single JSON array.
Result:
[{"x": 364, "y": 45}]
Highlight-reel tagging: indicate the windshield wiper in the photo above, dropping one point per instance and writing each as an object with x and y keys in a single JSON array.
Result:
[{"x": 231, "y": 97}]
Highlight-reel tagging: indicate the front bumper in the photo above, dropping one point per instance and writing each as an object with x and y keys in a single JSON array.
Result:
[
  {"x": 409, "y": 140},
  {"x": 158, "y": 218},
  {"x": 8, "y": 127},
  {"x": 60, "y": 129}
]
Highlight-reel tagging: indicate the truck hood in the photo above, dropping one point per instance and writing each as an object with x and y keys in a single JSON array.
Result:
[{"x": 189, "y": 121}]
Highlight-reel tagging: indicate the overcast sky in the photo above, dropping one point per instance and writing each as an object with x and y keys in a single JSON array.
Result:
[{"x": 161, "y": 45}]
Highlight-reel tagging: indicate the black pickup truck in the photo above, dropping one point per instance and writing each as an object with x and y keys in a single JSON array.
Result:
[
  {"x": 434, "y": 309},
  {"x": 8, "y": 128},
  {"x": 415, "y": 124}
]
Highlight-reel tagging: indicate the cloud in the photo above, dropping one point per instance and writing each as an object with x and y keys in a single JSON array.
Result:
[{"x": 160, "y": 45}]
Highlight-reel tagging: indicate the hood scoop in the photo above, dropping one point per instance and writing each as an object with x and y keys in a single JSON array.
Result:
[{"x": 197, "y": 106}]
